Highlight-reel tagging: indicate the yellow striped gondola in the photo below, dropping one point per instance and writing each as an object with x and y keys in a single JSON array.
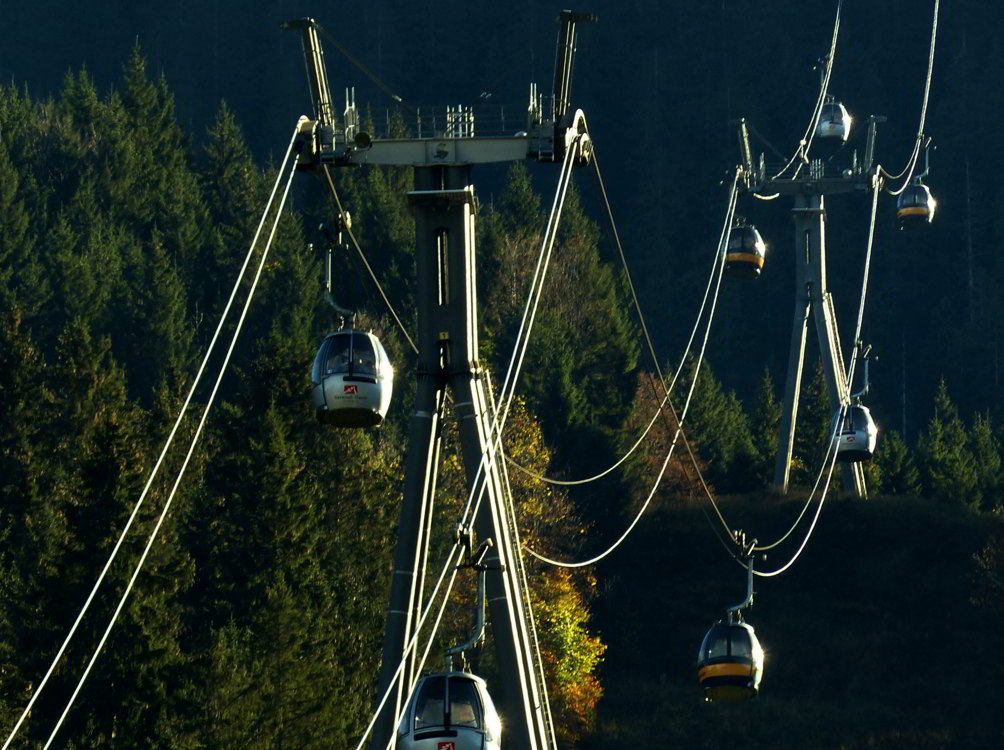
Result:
[
  {"x": 915, "y": 206},
  {"x": 730, "y": 663},
  {"x": 745, "y": 252}
]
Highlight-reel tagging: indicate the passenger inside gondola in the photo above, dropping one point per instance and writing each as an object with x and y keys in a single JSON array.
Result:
[
  {"x": 464, "y": 707},
  {"x": 338, "y": 355},
  {"x": 364, "y": 359},
  {"x": 429, "y": 711}
]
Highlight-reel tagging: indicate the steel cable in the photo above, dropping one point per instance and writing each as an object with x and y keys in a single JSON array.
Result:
[
  {"x": 648, "y": 339},
  {"x": 181, "y": 472},
  {"x": 494, "y": 436},
  {"x": 806, "y": 142},
  {"x": 508, "y": 388},
  {"x": 362, "y": 256},
  {"x": 912, "y": 161},
  {"x": 812, "y": 527},
  {"x": 720, "y": 256},
  {"x": 850, "y": 373},
  {"x": 159, "y": 462},
  {"x": 811, "y": 132},
  {"x": 408, "y": 648}
]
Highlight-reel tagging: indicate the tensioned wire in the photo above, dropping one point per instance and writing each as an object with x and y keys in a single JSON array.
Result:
[
  {"x": 912, "y": 161},
  {"x": 634, "y": 296},
  {"x": 362, "y": 256},
  {"x": 803, "y": 145},
  {"x": 159, "y": 462},
  {"x": 512, "y": 374},
  {"x": 850, "y": 373},
  {"x": 876, "y": 186},
  {"x": 720, "y": 256},
  {"x": 652, "y": 352},
  {"x": 819, "y": 508},
  {"x": 181, "y": 472},
  {"x": 425, "y": 655},
  {"x": 811, "y": 133},
  {"x": 508, "y": 389},
  {"x": 411, "y": 645},
  {"x": 532, "y": 634},
  {"x": 722, "y": 242}
]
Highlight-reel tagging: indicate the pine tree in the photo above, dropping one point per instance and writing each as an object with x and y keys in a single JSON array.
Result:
[
  {"x": 812, "y": 432},
  {"x": 986, "y": 452},
  {"x": 946, "y": 462},
  {"x": 95, "y": 455},
  {"x": 719, "y": 430},
  {"x": 899, "y": 475},
  {"x": 25, "y": 410},
  {"x": 235, "y": 195},
  {"x": 15, "y": 243},
  {"x": 766, "y": 428},
  {"x": 157, "y": 335}
]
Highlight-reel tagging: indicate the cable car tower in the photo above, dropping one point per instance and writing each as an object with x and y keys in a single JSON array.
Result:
[
  {"x": 444, "y": 208},
  {"x": 808, "y": 188}
]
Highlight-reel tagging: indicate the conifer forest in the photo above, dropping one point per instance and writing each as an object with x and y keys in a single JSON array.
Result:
[{"x": 139, "y": 146}]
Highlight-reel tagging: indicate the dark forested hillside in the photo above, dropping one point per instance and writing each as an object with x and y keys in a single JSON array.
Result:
[
  {"x": 873, "y": 640},
  {"x": 138, "y": 146}
]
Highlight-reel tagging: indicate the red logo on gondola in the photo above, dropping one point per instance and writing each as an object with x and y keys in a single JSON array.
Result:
[
  {"x": 447, "y": 746},
  {"x": 353, "y": 389},
  {"x": 850, "y": 439}
]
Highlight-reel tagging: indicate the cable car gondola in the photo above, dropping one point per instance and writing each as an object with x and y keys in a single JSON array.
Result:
[
  {"x": 352, "y": 380},
  {"x": 915, "y": 206},
  {"x": 832, "y": 129},
  {"x": 450, "y": 708},
  {"x": 858, "y": 434},
  {"x": 453, "y": 709},
  {"x": 730, "y": 662},
  {"x": 834, "y": 122},
  {"x": 745, "y": 251}
]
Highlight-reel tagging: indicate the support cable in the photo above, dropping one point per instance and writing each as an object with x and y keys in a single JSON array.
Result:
[
  {"x": 495, "y": 429},
  {"x": 811, "y": 133},
  {"x": 362, "y": 256},
  {"x": 157, "y": 465},
  {"x": 181, "y": 472},
  {"x": 819, "y": 508},
  {"x": 425, "y": 655},
  {"x": 576, "y": 482},
  {"x": 411, "y": 645},
  {"x": 806, "y": 142},
  {"x": 834, "y": 430},
  {"x": 876, "y": 188},
  {"x": 669, "y": 453},
  {"x": 362, "y": 68},
  {"x": 912, "y": 161},
  {"x": 508, "y": 389},
  {"x": 722, "y": 243},
  {"x": 648, "y": 339}
]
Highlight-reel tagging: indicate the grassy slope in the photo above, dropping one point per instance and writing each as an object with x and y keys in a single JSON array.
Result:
[{"x": 870, "y": 638}]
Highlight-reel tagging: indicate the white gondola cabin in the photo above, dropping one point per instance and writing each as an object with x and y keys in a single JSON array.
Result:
[
  {"x": 832, "y": 129},
  {"x": 352, "y": 380},
  {"x": 858, "y": 434},
  {"x": 450, "y": 709},
  {"x": 745, "y": 252}
]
